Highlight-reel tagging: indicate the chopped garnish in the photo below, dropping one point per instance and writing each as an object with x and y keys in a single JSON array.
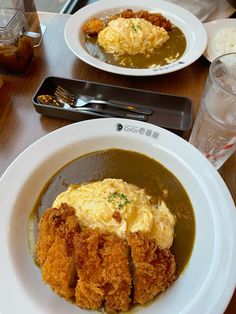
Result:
[
  {"x": 135, "y": 28},
  {"x": 118, "y": 199}
]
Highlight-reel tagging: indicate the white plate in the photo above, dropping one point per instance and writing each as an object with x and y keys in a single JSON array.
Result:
[
  {"x": 192, "y": 28},
  {"x": 212, "y": 28},
  {"x": 207, "y": 283}
]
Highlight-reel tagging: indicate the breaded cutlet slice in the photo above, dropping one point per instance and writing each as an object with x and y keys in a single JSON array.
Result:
[
  {"x": 46, "y": 235},
  {"x": 93, "y": 27},
  {"x": 103, "y": 270},
  {"x": 59, "y": 269},
  {"x": 89, "y": 292},
  {"x": 154, "y": 269},
  {"x": 55, "y": 251},
  {"x": 61, "y": 221},
  {"x": 117, "y": 283}
]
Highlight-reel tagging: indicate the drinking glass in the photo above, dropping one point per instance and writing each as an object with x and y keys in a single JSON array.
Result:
[{"x": 214, "y": 130}]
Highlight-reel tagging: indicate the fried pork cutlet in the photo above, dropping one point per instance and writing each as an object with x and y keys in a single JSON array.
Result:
[
  {"x": 154, "y": 269},
  {"x": 93, "y": 27},
  {"x": 89, "y": 293},
  {"x": 115, "y": 254},
  {"x": 54, "y": 250},
  {"x": 97, "y": 268},
  {"x": 103, "y": 270},
  {"x": 156, "y": 19}
]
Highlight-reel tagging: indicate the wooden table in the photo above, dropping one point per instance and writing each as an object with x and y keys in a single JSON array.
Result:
[{"x": 21, "y": 125}]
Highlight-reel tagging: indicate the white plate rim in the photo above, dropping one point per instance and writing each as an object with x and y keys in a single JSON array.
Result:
[
  {"x": 191, "y": 25},
  {"x": 212, "y": 28},
  {"x": 218, "y": 299}
]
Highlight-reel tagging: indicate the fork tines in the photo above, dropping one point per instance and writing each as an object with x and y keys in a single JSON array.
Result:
[{"x": 63, "y": 94}]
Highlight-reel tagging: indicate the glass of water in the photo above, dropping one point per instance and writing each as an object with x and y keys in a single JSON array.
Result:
[{"x": 214, "y": 130}]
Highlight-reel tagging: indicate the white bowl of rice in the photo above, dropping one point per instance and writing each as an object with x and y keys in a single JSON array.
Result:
[{"x": 221, "y": 38}]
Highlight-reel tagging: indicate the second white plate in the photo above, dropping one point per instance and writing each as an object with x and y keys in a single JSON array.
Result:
[{"x": 191, "y": 26}]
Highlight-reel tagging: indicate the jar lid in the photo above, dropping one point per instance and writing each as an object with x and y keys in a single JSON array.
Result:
[{"x": 12, "y": 25}]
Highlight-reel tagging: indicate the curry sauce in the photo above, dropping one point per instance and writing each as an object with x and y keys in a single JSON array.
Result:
[
  {"x": 168, "y": 53},
  {"x": 133, "y": 168}
]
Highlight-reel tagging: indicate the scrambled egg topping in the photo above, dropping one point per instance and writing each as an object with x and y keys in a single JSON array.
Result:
[
  {"x": 116, "y": 206},
  {"x": 132, "y": 36}
]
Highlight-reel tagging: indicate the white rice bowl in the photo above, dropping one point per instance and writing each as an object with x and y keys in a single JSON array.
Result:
[
  {"x": 221, "y": 38},
  {"x": 225, "y": 40}
]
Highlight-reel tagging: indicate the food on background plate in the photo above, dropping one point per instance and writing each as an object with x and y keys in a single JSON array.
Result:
[
  {"x": 109, "y": 244},
  {"x": 131, "y": 36},
  {"x": 95, "y": 25},
  {"x": 224, "y": 41},
  {"x": 134, "y": 39}
]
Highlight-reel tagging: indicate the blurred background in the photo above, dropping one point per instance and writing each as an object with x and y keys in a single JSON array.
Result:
[
  {"x": 56, "y": 6},
  {"x": 60, "y": 6},
  {"x": 201, "y": 8},
  {"x": 50, "y": 6}
]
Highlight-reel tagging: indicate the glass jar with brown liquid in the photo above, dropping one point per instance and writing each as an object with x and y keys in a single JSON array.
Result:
[{"x": 16, "y": 50}]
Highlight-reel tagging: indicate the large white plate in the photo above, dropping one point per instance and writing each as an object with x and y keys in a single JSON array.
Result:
[
  {"x": 193, "y": 29},
  {"x": 207, "y": 283},
  {"x": 212, "y": 29}
]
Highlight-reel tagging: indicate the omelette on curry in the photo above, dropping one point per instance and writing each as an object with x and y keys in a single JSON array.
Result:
[
  {"x": 134, "y": 39},
  {"x": 108, "y": 244}
]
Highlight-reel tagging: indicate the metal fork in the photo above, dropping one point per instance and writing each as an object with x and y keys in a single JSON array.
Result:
[{"x": 82, "y": 101}]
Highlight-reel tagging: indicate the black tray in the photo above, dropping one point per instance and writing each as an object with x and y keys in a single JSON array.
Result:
[{"x": 169, "y": 111}]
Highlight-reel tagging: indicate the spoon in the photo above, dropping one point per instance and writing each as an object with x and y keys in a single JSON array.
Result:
[{"x": 52, "y": 100}]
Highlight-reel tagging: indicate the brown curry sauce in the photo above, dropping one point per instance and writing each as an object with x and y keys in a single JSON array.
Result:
[
  {"x": 176, "y": 44},
  {"x": 133, "y": 168}
]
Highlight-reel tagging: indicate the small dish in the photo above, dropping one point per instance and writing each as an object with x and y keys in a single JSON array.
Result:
[
  {"x": 169, "y": 111},
  {"x": 212, "y": 29}
]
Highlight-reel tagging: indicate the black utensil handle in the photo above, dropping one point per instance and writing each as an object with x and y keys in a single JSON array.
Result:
[
  {"x": 112, "y": 113},
  {"x": 127, "y": 107}
]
